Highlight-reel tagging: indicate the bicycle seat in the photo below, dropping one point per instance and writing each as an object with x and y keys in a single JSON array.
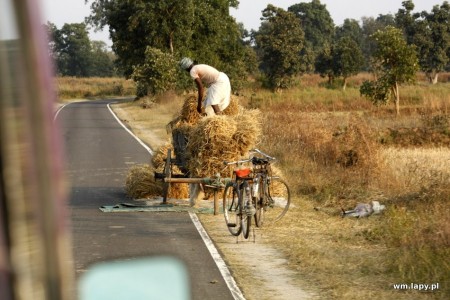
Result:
[{"x": 259, "y": 161}]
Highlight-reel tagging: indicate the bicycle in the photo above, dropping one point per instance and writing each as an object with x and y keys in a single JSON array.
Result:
[{"x": 254, "y": 192}]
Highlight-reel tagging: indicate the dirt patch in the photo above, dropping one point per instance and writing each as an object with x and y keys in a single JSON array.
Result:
[{"x": 260, "y": 270}]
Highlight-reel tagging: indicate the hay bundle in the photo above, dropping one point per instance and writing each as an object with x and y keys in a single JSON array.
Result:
[
  {"x": 189, "y": 113},
  {"x": 221, "y": 138},
  {"x": 179, "y": 191},
  {"x": 233, "y": 108},
  {"x": 210, "y": 144},
  {"x": 160, "y": 155},
  {"x": 249, "y": 130},
  {"x": 159, "y": 158},
  {"x": 140, "y": 182}
]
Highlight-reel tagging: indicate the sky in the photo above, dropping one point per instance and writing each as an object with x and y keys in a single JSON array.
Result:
[{"x": 248, "y": 13}]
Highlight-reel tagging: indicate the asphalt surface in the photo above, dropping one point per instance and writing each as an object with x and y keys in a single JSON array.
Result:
[{"x": 99, "y": 153}]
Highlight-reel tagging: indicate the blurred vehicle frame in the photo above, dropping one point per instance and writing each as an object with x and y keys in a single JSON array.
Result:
[
  {"x": 35, "y": 252},
  {"x": 36, "y": 260}
]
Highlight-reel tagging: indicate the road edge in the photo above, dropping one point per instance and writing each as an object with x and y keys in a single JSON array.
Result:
[
  {"x": 229, "y": 280},
  {"x": 221, "y": 265}
]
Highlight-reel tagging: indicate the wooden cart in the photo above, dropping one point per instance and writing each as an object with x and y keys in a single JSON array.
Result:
[
  {"x": 168, "y": 177},
  {"x": 179, "y": 142}
]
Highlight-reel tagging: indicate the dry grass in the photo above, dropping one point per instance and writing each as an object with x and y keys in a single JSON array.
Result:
[
  {"x": 327, "y": 144},
  {"x": 360, "y": 258},
  {"x": 419, "y": 168},
  {"x": 92, "y": 87}
]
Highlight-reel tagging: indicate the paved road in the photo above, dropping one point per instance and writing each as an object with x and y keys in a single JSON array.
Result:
[{"x": 99, "y": 153}]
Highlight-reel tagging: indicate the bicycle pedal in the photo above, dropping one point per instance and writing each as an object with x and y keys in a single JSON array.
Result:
[{"x": 231, "y": 224}]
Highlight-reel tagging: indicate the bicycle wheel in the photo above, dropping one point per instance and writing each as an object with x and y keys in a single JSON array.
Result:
[
  {"x": 248, "y": 209},
  {"x": 277, "y": 199},
  {"x": 232, "y": 209}
]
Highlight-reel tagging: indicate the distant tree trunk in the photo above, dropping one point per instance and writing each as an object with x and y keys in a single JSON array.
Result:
[
  {"x": 396, "y": 98},
  {"x": 432, "y": 77},
  {"x": 344, "y": 86},
  {"x": 435, "y": 78},
  {"x": 330, "y": 78},
  {"x": 171, "y": 42}
]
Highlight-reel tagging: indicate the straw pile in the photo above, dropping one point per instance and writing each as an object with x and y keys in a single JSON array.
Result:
[
  {"x": 232, "y": 108},
  {"x": 211, "y": 140},
  {"x": 179, "y": 190},
  {"x": 159, "y": 157},
  {"x": 221, "y": 138},
  {"x": 189, "y": 115},
  {"x": 140, "y": 182}
]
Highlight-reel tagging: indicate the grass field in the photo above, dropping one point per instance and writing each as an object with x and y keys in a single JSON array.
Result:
[
  {"x": 93, "y": 87},
  {"x": 336, "y": 149}
]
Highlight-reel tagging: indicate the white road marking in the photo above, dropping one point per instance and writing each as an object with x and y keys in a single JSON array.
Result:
[
  {"x": 229, "y": 280},
  {"x": 59, "y": 109},
  {"x": 129, "y": 131}
]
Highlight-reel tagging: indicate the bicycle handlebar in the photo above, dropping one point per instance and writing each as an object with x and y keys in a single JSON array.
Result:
[
  {"x": 264, "y": 154},
  {"x": 227, "y": 163}
]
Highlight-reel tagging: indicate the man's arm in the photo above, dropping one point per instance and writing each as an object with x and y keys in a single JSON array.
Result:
[{"x": 200, "y": 89}]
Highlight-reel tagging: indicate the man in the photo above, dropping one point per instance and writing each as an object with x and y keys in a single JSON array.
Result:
[{"x": 219, "y": 88}]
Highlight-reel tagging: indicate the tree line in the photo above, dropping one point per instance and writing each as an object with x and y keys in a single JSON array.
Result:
[
  {"x": 149, "y": 38},
  {"x": 75, "y": 54}
]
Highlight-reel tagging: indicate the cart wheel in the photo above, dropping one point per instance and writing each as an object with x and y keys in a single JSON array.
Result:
[{"x": 167, "y": 174}]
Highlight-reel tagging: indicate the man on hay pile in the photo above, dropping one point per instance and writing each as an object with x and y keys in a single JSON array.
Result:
[
  {"x": 219, "y": 88},
  {"x": 216, "y": 100}
]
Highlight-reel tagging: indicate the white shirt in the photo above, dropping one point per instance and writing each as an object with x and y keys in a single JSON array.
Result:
[{"x": 207, "y": 74}]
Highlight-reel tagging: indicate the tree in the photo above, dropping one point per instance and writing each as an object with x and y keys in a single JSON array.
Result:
[
  {"x": 72, "y": 49},
  {"x": 203, "y": 30},
  {"x": 430, "y": 33},
  {"x": 406, "y": 20},
  {"x": 350, "y": 29},
  {"x": 279, "y": 41},
  {"x": 395, "y": 62},
  {"x": 102, "y": 64},
  {"x": 316, "y": 22},
  {"x": 343, "y": 59},
  {"x": 347, "y": 59},
  {"x": 135, "y": 25},
  {"x": 75, "y": 54},
  {"x": 432, "y": 38},
  {"x": 371, "y": 25},
  {"x": 324, "y": 64},
  {"x": 156, "y": 74}
]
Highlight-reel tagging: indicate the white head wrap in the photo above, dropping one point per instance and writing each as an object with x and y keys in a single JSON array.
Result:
[{"x": 186, "y": 62}]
